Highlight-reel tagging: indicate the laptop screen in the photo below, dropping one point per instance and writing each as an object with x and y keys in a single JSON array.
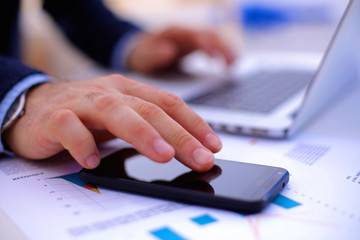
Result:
[{"x": 337, "y": 70}]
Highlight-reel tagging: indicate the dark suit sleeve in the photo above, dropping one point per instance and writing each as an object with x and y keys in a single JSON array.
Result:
[
  {"x": 90, "y": 26},
  {"x": 11, "y": 72}
]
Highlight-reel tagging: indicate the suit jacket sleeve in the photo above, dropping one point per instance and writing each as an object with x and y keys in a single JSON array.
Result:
[
  {"x": 11, "y": 72},
  {"x": 15, "y": 78},
  {"x": 90, "y": 26}
]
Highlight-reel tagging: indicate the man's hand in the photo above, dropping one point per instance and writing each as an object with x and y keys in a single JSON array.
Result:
[
  {"x": 75, "y": 115},
  {"x": 159, "y": 51}
]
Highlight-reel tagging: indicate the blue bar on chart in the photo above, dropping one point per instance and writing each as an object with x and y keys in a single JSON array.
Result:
[
  {"x": 203, "y": 219},
  {"x": 285, "y": 202},
  {"x": 166, "y": 233}
]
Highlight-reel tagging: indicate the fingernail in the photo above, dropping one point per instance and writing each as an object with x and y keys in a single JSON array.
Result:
[
  {"x": 163, "y": 148},
  {"x": 93, "y": 161},
  {"x": 202, "y": 156},
  {"x": 213, "y": 141}
]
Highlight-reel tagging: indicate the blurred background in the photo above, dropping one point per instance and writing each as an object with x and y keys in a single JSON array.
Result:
[{"x": 246, "y": 25}]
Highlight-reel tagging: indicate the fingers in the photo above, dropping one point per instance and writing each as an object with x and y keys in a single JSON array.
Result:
[
  {"x": 153, "y": 55},
  {"x": 211, "y": 44},
  {"x": 137, "y": 118},
  {"x": 178, "y": 110},
  {"x": 158, "y": 124},
  {"x": 188, "y": 149},
  {"x": 190, "y": 40},
  {"x": 65, "y": 128},
  {"x": 114, "y": 113},
  {"x": 176, "y": 122},
  {"x": 161, "y": 50}
]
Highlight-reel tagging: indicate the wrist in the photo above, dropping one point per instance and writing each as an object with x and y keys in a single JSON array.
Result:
[
  {"x": 16, "y": 111},
  {"x": 123, "y": 48}
]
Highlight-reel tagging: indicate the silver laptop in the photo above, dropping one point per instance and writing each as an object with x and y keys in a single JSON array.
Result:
[
  {"x": 277, "y": 103},
  {"x": 270, "y": 100}
]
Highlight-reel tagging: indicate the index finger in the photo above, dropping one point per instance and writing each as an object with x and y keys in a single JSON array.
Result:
[{"x": 177, "y": 109}]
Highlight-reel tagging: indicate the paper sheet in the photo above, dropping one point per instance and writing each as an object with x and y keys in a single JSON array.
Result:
[{"x": 47, "y": 200}]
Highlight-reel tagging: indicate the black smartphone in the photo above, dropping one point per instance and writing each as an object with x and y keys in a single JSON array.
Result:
[{"x": 237, "y": 186}]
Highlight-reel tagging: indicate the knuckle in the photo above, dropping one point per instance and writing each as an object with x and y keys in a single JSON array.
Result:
[
  {"x": 131, "y": 99},
  {"x": 171, "y": 100},
  {"x": 148, "y": 110},
  {"x": 78, "y": 144},
  {"x": 60, "y": 117},
  {"x": 58, "y": 121},
  {"x": 181, "y": 139},
  {"x": 103, "y": 102},
  {"x": 46, "y": 146},
  {"x": 93, "y": 92},
  {"x": 140, "y": 129},
  {"x": 198, "y": 123}
]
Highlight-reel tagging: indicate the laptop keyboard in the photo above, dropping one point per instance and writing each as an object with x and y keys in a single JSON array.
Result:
[{"x": 261, "y": 92}]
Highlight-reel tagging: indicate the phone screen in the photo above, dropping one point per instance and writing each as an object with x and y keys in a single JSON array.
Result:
[{"x": 248, "y": 186}]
